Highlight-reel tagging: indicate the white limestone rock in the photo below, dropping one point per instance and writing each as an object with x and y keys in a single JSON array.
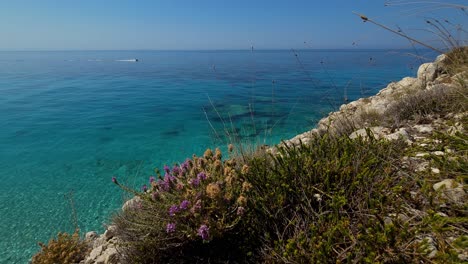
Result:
[
  {"x": 378, "y": 132},
  {"x": 132, "y": 203},
  {"x": 110, "y": 232},
  {"x": 409, "y": 83},
  {"x": 424, "y": 129},
  {"x": 91, "y": 236},
  {"x": 423, "y": 166},
  {"x": 111, "y": 256},
  {"x": 440, "y": 59},
  {"x": 421, "y": 154},
  {"x": 401, "y": 133},
  {"x": 450, "y": 190},
  {"x": 427, "y": 72},
  {"x": 95, "y": 253}
]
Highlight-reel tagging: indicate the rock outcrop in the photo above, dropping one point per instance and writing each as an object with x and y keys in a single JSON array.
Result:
[
  {"x": 353, "y": 114},
  {"x": 349, "y": 120}
]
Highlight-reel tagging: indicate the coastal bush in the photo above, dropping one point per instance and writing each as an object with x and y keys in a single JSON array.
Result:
[
  {"x": 194, "y": 212},
  {"x": 441, "y": 99},
  {"x": 326, "y": 201},
  {"x": 313, "y": 202},
  {"x": 457, "y": 60},
  {"x": 65, "y": 249},
  {"x": 438, "y": 222},
  {"x": 334, "y": 199}
]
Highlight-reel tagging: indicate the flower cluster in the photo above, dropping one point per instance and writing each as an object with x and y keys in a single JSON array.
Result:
[
  {"x": 204, "y": 232},
  {"x": 202, "y": 197}
]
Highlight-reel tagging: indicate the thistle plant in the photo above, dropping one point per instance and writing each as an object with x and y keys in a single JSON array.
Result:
[{"x": 202, "y": 199}]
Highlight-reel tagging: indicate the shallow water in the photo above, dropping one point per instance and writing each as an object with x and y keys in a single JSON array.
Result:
[{"x": 69, "y": 121}]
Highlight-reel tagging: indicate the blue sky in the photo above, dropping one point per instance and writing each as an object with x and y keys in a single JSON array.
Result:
[{"x": 209, "y": 24}]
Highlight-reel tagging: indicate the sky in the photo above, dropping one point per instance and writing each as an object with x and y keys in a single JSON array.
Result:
[{"x": 213, "y": 24}]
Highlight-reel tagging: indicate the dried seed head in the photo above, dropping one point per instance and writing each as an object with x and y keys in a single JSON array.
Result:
[
  {"x": 218, "y": 154},
  {"x": 208, "y": 154},
  {"x": 230, "y": 148},
  {"x": 217, "y": 165},
  {"x": 228, "y": 180},
  {"x": 245, "y": 169},
  {"x": 227, "y": 171},
  {"x": 202, "y": 163},
  {"x": 246, "y": 186},
  {"x": 213, "y": 190},
  {"x": 242, "y": 201}
]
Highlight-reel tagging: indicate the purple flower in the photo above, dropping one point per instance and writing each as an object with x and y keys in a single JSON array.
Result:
[
  {"x": 204, "y": 232},
  {"x": 152, "y": 179},
  {"x": 201, "y": 176},
  {"x": 163, "y": 185},
  {"x": 175, "y": 170},
  {"x": 168, "y": 178},
  {"x": 195, "y": 182},
  {"x": 114, "y": 180},
  {"x": 170, "y": 228},
  {"x": 196, "y": 207},
  {"x": 185, "y": 165},
  {"x": 167, "y": 169},
  {"x": 144, "y": 188},
  {"x": 184, "y": 205},
  {"x": 173, "y": 210}
]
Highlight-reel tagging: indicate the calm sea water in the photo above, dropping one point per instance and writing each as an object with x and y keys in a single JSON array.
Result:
[{"x": 69, "y": 121}]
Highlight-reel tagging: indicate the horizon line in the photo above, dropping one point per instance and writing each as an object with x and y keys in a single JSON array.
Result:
[{"x": 249, "y": 49}]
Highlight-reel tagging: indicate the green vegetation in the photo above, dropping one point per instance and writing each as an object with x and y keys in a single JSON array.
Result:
[
  {"x": 331, "y": 200},
  {"x": 196, "y": 211},
  {"x": 334, "y": 199}
]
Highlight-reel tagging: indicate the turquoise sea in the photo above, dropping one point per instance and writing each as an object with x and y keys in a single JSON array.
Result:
[{"x": 69, "y": 121}]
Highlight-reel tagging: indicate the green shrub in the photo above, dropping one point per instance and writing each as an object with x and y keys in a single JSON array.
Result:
[
  {"x": 326, "y": 201},
  {"x": 334, "y": 199},
  {"x": 441, "y": 100}
]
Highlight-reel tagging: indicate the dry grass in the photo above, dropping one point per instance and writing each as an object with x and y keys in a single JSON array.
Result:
[{"x": 65, "y": 248}]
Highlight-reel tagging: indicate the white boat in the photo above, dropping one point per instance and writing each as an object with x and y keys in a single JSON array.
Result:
[{"x": 129, "y": 60}]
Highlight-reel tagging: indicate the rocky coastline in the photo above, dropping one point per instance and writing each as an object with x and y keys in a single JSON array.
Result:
[{"x": 365, "y": 118}]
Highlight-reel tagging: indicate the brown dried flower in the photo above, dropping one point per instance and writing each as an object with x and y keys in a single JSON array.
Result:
[
  {"x": 246, "y": 186},
  {"x": 242, "y": 201},
  {"x": 208, "y": 154},
  {"x": 213, "y": 190},
  {"x": 218, "y": 154},
  {"x": 230, "y": 147},
  {"x": 245, "y": 169}
]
